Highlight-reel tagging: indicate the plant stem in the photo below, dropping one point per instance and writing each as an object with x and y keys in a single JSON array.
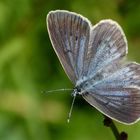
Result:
[{"x": 109, "y": 123}]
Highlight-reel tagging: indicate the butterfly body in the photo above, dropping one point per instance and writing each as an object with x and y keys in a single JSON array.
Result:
[{"x": 93, "y": 59}]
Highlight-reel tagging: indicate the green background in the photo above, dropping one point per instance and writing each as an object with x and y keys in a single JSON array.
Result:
[{"x": 28, "y": 66}]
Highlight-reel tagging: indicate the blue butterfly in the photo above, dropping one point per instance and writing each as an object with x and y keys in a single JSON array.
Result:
[{"x": 93, "y": 59}]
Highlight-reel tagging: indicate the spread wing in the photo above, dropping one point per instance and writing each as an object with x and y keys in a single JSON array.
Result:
[
  {"x": 69, "y": 33},
  {"x": 84, "y": 50},
  {"x": 107, "y": 46},
  {"x": 118, "y": 95}
]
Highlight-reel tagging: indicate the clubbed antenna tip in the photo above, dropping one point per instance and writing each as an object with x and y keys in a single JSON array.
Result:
[{"x": 70, "y": 112}]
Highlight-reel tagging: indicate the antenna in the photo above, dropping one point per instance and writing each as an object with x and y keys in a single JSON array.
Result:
[
  {"x": 64, "y": 89},
  {"x": 57, "y": 90},
  {"x": 70, "y": 112}
]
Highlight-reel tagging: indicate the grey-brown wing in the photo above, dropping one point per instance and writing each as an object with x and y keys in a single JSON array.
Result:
[
  {"x": 126, "y": 76},
  {"x": 107, "y": 46},
  {"x": 118, "y": 94},
  {"x": 122, "y": 105},
  {"x": 69, "y": 33}
]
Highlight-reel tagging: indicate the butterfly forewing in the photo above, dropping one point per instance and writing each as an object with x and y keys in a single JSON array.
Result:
[
  {"x": 107, "y": 46},
  {"x": 69, "y": 33}
]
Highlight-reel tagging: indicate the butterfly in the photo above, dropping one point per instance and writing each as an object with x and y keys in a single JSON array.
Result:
[{"x": 93, "y": 59}]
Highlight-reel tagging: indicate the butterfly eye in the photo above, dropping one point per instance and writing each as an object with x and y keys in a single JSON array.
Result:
[{"x": 78, "y": 90}]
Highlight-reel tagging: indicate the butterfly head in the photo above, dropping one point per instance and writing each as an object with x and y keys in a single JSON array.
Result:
[{"x": 76, "y": 91}]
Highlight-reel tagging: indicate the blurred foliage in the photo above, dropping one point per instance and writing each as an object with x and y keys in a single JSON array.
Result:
[{"x": 28, "y": 66}]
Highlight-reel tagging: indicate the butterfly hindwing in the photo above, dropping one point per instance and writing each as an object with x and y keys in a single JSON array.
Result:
[
  {"x": 126, "y": 76},
  {"x": 122, "y": 105},
  {"x": 118, "y": 95}
]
